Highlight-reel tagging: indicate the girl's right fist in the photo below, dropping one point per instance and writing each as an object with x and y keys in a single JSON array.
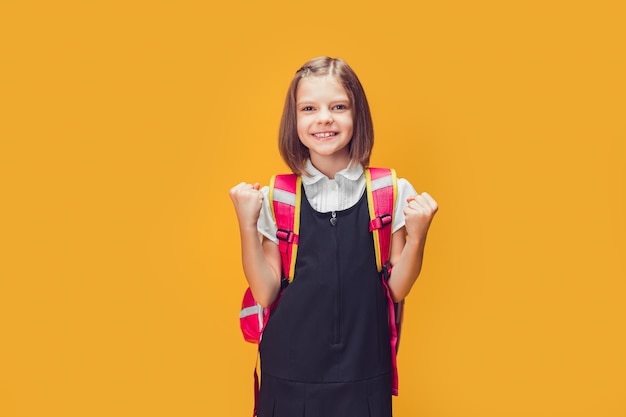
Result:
[{"x": 248, "y": 201}]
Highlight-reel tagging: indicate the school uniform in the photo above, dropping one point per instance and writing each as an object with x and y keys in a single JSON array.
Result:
[{"x": 325, "y": 350}]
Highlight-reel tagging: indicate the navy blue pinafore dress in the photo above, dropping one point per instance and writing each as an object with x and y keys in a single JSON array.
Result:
[{"x": 325, "y": 351}]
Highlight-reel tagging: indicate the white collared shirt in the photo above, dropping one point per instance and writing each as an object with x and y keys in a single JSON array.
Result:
[{"x": 326, "y": 195}]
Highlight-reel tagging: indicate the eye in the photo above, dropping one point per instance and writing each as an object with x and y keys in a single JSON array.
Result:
[
  {"x": 307, "y": 108},
  {"x": 340, "y": 107}
]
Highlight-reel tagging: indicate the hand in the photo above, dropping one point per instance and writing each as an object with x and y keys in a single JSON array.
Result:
[
  {"x": 248, "y": 201},
  {"x": 419, "y": 214}
]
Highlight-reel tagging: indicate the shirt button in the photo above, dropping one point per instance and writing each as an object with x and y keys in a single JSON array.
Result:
[{"x": 333, "y": 186}]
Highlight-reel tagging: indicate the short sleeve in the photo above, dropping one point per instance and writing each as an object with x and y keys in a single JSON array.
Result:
[
  {"x": 405, "y": 190},
  {"x": 266, "y": 225}
]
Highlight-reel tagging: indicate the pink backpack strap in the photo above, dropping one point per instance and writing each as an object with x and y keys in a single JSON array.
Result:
[
  {"x": 285, "y": 193},
  {"x": 382, "y": 189}
]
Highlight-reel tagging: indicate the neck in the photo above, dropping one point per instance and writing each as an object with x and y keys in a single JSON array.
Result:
[{"x": 330, "y": 166}]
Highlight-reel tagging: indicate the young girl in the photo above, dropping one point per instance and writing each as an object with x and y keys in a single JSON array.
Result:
[{"x": 325, "y": 350}]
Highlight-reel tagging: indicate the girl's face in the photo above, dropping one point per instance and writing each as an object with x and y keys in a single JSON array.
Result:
[{"x": 324, "y": 118}]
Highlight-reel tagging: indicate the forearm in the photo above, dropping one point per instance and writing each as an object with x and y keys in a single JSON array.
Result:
[
  {"x": 407, "y": 255},
  {"x": 407, "y": 268},
  {"x": 263, "y": 277}
]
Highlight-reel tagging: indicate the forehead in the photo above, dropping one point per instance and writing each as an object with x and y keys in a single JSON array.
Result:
[{"x": 320, "y": 88}]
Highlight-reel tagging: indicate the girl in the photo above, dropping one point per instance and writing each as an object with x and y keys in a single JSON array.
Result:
[{"x": 325, "y": 350}]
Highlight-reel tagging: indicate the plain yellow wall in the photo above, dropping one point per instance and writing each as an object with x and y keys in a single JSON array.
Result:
[{"x": 124, "y": 124}]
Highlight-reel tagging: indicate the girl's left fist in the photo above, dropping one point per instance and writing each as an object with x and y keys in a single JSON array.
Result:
[{"x": 418, "y": 215}]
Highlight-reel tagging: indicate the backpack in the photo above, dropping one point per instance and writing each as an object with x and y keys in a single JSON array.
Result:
[{"x": 285, "y": 192}]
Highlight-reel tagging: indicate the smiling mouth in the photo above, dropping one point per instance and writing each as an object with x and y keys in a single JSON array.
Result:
[{"x": 324, "y": 135}]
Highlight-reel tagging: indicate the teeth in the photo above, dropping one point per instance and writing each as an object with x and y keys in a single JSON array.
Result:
[{"x": 324, "y": 135}]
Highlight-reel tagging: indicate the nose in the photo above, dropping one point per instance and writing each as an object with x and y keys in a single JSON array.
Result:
[{"x": 325, "y": 116}]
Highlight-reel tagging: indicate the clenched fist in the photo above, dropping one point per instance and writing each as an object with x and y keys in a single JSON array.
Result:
[
  {"x": 248, "y": 201},
  {"x": 419, "y": 214}
]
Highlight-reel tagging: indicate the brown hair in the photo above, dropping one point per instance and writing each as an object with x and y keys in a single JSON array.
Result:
[{"x": 294, "y": 153}]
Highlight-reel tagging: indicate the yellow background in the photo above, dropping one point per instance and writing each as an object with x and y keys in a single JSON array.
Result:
[{"x": 124, "y": 124}]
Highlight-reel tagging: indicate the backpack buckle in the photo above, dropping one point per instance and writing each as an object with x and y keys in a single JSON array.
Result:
[
  {"x": 287, "y": 236},
  {"x": 380, "y": 222}
]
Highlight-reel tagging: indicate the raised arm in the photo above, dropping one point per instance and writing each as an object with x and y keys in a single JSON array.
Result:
[
  {"x": 260, "y": 257},
  {"x": 407, "y": 244}
]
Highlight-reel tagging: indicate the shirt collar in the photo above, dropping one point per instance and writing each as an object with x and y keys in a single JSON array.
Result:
[{"x": 351, "y": 173}]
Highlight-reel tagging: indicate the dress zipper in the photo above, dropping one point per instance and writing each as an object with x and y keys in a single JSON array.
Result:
[{"x": 337, "y": 324}]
